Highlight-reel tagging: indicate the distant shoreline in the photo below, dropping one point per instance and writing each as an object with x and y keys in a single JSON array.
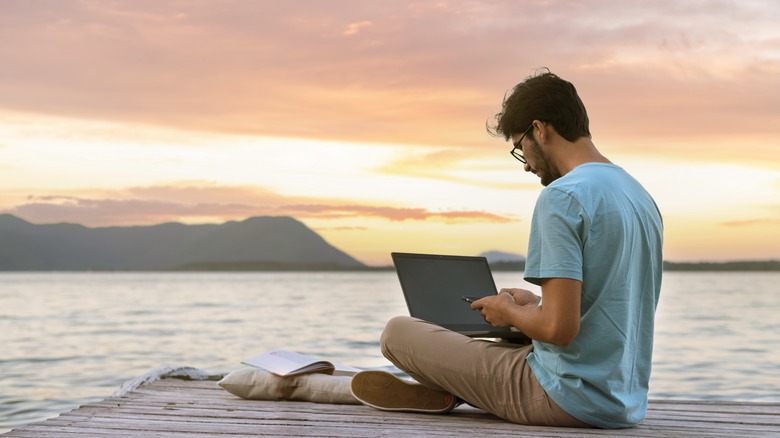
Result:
[
  {"x": 730, "y": 266},
  {"x": 754, "y": 265},
  {"x": 256, "y": 244}
]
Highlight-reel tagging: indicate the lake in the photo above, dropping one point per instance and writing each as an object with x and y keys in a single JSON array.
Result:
[{"x": 72, "y": 338}]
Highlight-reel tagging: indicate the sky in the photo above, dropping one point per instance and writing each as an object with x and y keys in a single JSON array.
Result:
[{"x": 366, "y": 120}]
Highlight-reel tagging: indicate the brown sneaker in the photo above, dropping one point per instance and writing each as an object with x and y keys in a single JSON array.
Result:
[{"x": 384, "y": 391}]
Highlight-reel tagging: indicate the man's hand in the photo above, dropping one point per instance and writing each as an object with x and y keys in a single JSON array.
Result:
[
  {"x": 494, "y": 308},
  {"x": 522, "y": 297},
  {"x": 556, "y": 321}
]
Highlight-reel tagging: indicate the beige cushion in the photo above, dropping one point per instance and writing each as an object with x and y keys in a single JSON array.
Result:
[{"x": 256, "y": 384}]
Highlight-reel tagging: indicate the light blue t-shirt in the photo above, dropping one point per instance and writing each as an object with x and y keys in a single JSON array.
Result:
[{"x": 596, "y": 224}]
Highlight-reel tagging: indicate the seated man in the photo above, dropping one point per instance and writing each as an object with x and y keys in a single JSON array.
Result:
[{"x": 595, "y": 250}]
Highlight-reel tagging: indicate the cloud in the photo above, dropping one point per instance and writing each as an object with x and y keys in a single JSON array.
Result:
[
  {"x": 752, "y": 222},
  {"x": 459, "y": 165},
  {"x": 419, "y": 73},
  {"x": 210, "y": 203},
  {"x": 390, "y": 213},
  {"x": 770, "y": 221},
  {"x": 125, "y": 211},
  {"x": 354, "y": 28},
  {"x": 341, "y": 228}
]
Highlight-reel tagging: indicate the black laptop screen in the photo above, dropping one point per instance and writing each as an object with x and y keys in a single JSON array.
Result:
[{"x": 434, "y": 284}]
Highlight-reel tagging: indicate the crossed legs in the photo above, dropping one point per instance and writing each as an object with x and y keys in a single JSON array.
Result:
[{"x": 493, "y": 376}]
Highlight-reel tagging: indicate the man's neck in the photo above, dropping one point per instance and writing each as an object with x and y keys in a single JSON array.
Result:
[{"x": 569, "y": 155}]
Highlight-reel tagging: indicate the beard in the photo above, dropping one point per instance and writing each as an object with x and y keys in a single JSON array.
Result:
[{"x": 542, "y": 167}]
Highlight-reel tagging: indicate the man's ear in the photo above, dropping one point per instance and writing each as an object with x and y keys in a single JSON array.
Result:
[
  {"x": 541, "y": 127},
  {"x": 547, "y": 131}
]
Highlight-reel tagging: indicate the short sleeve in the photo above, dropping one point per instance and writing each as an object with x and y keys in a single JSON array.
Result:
[{"x": 556, "y": 242}]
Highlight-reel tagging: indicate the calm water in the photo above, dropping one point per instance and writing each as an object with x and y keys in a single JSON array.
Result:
[{"x": 72, "y": 338}]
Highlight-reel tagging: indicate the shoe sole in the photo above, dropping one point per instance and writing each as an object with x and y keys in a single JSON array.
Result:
[{"x": 384, "y": 391}]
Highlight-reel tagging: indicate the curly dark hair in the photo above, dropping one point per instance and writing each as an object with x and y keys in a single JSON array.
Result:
[{"x": 545, "y": 97}]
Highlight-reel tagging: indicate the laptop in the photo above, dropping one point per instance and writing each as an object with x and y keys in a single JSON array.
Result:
[{"x": 434, "y": 286}]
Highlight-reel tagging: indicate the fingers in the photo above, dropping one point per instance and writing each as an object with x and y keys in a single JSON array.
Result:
[
  {"x": 510, "y": 293},
  {"x": 480, "y": 303}
]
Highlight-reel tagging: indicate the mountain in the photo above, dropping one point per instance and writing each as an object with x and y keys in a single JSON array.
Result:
[
  {"x": 499, "y": 256},
  {"x": 257, "y": 243},
  {"x": 504, "y": 261}
]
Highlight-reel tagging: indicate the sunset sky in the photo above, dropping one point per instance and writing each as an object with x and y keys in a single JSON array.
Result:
[{"x": 365, "y": 120}]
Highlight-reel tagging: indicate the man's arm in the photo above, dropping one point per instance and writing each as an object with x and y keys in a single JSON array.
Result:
[{"x": 556, "y": 321}]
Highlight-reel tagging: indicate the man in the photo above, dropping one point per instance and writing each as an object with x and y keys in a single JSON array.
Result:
[{"x": 595, "y": 250}]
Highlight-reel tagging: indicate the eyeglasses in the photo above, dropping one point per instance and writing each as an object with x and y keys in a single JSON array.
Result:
[{"x": 519, "y": 153}]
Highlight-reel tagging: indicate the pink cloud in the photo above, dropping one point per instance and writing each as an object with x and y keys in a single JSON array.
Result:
[
  {"x": 148, "y": 205},
  {"x": 126, "y": 211},
  {"x": 421, "y": 73}
]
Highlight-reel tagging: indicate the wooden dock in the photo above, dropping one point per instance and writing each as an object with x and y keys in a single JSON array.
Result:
[{"x": 183, "y": 408}]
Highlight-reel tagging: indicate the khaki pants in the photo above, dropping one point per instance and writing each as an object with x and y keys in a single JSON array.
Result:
[{"x": 493, "y": 376}]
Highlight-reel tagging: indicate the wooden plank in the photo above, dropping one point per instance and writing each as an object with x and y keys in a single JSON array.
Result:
[
  {"x": 712, "y": 406},
  {"x": 172, "y": 408},
  {"x": 289, "y": 414}
]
